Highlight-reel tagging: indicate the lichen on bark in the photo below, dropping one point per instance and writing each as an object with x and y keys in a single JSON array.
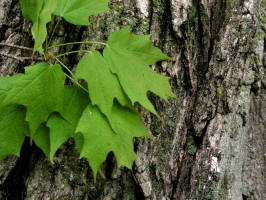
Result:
[{"x": 209, "y": 141}]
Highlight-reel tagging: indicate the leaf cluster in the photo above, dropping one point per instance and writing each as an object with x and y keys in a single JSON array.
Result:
[{"x": 99, "y": 114}]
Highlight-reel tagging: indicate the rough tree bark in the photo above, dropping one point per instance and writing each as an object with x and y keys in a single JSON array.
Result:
[{"x": 210, "y": 141}]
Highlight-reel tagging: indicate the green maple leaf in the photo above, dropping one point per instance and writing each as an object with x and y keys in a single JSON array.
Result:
[
  {"x": 45, "y": 142},
  {"x": 78, "y": 11},
  {"x": 129, "y": 56},
  {"x": 12, "y": 130},
  {"x": 57, "y": 130},
  {"x": 40, "y": 90},
  {"x": 42, "y": 139},
  {"x": 39, "y": 12},
  {"x": 6, "y": 84},
  {"x": 99, "y": 138},
  {"x": 31, "y": 8},
  {"x": 74, "y": 102},
  {"x": 102, "y": 84},
  {"x": 12, "y": 122}
]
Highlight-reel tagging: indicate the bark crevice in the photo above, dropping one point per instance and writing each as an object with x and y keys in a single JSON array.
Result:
[{"x": 205, "y": 135}]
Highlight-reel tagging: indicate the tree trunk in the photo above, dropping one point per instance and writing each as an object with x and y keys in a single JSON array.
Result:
[{"x": 210, "y": 141}]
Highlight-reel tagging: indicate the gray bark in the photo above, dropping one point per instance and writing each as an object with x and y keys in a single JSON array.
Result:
[{"x": 210, "y": 141}]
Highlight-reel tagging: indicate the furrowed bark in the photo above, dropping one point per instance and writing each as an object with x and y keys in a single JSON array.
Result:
[{"x": 210, "y": 141}]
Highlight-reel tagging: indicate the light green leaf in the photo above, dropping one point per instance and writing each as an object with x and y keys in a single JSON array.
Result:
[
  {"x": 129, "y": 56},
  {"x": 74, "y": 102},
  {"x": 40, "y": 90},
  {"x": 78, "y": 11},
  {"x": 99, "y": 138},
  {"x": 39, "y": 12},
  {"x": 12, "y": 122},
  {"x": 102, "y": 84}
]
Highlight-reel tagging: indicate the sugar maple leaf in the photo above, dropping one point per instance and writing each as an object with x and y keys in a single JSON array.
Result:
[
  {"x": 74, "y": 102},
  {"x": 39, "y": 12},
  {"x": 12, "y": 121},
  {"x": 103, "y": 85},
  {"x": 129, "y": 56},
  {"x": 42, "y": 139},
  {"x": 78, "y": 11},
  {"x": 99, "y": 138},
  {"x": 58, "y": 130},
  {"x": 40, "y": 90}
]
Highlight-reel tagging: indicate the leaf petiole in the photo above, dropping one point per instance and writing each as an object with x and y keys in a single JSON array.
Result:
[
  {"x": 71, "y": 52},
  {"x": 72, "y": 43},
  {"x": 71, "y": 73},
  {"x": 63, "y": 65},
  {"x": 50, "y": 40}
]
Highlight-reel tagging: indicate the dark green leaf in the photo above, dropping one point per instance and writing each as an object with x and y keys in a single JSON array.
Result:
[
  {"x": 12, "y": 121},
  {"x": 40, "y": 90},
  {"x": 12, "y": 130},
  {"x": 42, "y": 139}
]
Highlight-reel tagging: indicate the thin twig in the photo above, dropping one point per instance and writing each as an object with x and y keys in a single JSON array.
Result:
[
  {"x": 16, "y": 46},
  {"x": 12, "y": 56},
  {"x": 71, "y": 52},
  {"x": 50, "y": 40},
  {"x": 21, "y": 59},
  {"x": 72, "y": 77},
  {"x": 32, "y": 58},
  {"x": 63, "y": 65},
  {"x": 73, "y": 43}
]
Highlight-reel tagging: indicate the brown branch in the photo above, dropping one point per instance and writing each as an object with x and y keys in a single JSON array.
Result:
[
  {"x": 35, "y": 59},
  {"x": 21, "y": 59},
  {"x": 16, "y": 46},
  {"x": 12, "y": 56}
]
